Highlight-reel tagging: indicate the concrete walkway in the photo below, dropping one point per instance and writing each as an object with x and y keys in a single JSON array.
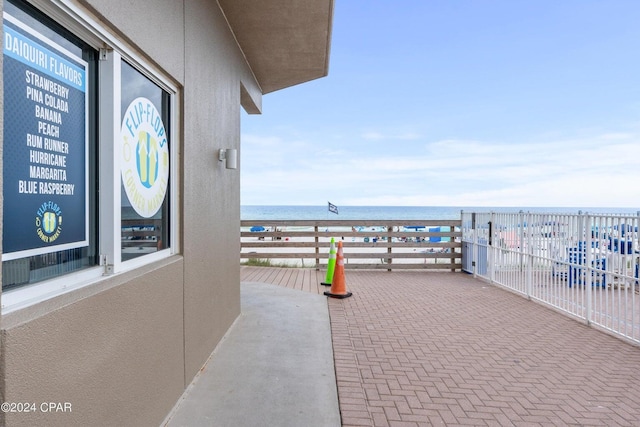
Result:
[
  {"x": 273, "y": 368},
  {"x": 410, "y": 349},
  {"x": 426, "y": 348}
]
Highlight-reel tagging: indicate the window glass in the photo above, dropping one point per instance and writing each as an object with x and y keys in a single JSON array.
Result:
[
  {"x": 26, "y": 13},
  {"x": 49, "y": 149},
  {"x": 144, "y": 139}
]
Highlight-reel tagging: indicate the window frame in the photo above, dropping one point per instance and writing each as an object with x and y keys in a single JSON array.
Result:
[{"x": 112, "y": 52}]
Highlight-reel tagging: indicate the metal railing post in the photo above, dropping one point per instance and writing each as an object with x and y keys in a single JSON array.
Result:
[
  {"x": 530, "y": 257},
  {"x": 521, "y": 240},
  {"x": 590, "y": 270},
  {"x": 490, "y": 251}
]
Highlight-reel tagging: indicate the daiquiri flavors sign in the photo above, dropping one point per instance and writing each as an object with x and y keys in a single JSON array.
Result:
[
  {"x": 45, "y": 144},
  {"x": 145, "y": 157}
]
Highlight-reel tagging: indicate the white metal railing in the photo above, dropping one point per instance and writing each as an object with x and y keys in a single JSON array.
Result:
[{"x": 584, "y": 265}]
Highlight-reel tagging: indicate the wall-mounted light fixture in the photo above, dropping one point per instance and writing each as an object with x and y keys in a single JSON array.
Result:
[{"x": 229, "y": 156}]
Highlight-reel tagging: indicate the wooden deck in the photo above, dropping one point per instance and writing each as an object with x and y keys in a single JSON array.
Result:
[{"x": 303, "y": 279}]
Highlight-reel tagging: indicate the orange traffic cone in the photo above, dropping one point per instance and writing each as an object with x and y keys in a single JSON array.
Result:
[{"x": 338, "y": 285}]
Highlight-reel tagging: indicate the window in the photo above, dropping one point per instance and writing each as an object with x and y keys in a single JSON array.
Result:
[
  {"x": 49, "y": 149},
  {"x": 81, "y": 200},
  {"x": 145, "y": 164}
]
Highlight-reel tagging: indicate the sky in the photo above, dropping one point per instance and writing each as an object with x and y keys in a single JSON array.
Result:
[{"x": 520, "y": 103}]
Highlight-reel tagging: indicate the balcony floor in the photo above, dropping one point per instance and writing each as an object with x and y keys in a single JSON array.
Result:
[{"x": 428, "y": 348}]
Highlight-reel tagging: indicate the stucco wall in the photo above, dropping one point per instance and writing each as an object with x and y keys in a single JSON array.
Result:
[
  {"x": 116, "y": 357},
  {"x": 212, "y": 207},
  {"x": 123, "y": 351},
  {"x": 155, "y": 26}
]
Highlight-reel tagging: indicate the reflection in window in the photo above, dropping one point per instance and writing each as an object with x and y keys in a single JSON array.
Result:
[{"x": 144, "y": 140}]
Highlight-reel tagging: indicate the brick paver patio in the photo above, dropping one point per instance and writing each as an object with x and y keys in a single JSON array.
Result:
[{"x": 420, "y": 349}]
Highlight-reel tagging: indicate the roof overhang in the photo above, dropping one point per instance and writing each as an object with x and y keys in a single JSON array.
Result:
[{"x": 285, "y": 42}]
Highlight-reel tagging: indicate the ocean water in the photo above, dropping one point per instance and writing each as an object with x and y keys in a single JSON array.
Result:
[{"x": 253, "y": 212}]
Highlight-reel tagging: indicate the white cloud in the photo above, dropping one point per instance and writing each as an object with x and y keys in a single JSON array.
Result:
[
  {"x": 597, "y": 171},
  {"x": 381, "y": 136}
]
